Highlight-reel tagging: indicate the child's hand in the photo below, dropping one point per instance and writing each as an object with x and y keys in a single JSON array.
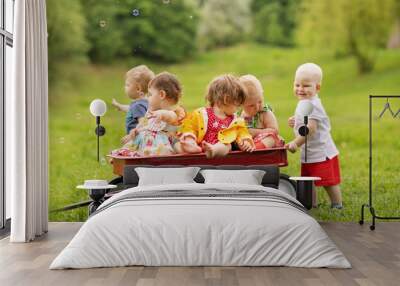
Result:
[
  {"x": 150, "y": 114},
  {"x": 158, "y": 114},
  {"x": 246, "y": 145},
  {"x": 129, "y": 137},
  {"x": 291, "y": 121},
  {"x": 292, "y": 146},
  {"x": 116, "y": 104}
]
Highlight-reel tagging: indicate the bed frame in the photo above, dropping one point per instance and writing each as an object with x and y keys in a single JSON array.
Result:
[
  {"x": 270, "y": 179},
  {"x": 268, "y": 160}
]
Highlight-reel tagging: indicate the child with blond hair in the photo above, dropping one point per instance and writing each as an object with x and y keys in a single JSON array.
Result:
[
  {"x": 136, "y": 82},
  {"x": 259, "y": 118},
  {"x": 322, "y": 154},
  {"x": 212, "y": 129}
]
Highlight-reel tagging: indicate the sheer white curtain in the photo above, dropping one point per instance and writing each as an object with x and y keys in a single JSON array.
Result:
[{"x": 27, "y": 155}]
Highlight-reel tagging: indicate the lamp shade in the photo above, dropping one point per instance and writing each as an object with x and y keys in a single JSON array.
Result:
[
  {"x": 304, "y": 107},
  {"x": 98, "y": 107}
]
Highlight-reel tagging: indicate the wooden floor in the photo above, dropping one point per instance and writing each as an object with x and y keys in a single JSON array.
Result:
[{"x": 374, "y": 255}]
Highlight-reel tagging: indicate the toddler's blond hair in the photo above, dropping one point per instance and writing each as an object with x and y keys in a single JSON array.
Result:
[
  {"x": 142, "y": 75},
  {"x": 311, "y": 71},
  {"x": 252, "y": 85}
]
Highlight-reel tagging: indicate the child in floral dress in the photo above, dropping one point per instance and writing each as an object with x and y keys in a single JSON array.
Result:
[{"x": 155, "y": 134}]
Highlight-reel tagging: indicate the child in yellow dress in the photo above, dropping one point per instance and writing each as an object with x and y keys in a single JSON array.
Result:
[{"x": 212, "y": 129}]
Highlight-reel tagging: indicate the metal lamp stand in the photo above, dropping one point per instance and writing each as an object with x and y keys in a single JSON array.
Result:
[
  {"x": 100, "y": 131},
  {"x": 303, "y": 131},
  {"x": 370, "y": 203}
]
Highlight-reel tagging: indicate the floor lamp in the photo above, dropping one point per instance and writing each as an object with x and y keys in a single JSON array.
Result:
[
  {"x": 304, "y": 185},
  {"x": 98, "y": 108},
  {"x": 303, "y": 110}
]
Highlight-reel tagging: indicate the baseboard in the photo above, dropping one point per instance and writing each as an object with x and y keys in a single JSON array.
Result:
[{"x": 5, "y": 231}]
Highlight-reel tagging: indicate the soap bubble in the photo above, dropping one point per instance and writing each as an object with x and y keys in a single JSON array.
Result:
[
  {"x": 103, "y": 161},
  {"x": 191, "y": 16},
  {"x": 102, "y": 24},
  {"x": 135, "y": 12}
]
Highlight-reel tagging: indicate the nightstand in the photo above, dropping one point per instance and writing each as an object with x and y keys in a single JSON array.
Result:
[
  {"x": 96, "y": 190},
  {"x": 304, "y": 190}
]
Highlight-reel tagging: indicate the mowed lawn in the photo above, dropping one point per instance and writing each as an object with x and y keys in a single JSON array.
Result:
[{"x": 344, "y": 94}]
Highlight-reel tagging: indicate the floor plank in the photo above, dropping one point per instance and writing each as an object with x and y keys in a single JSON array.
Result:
[{"x": 374, "y": 255}]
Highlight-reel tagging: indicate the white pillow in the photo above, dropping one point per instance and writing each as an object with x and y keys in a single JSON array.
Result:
[
  {"x": 248, "y": 177},
  {"x": 166, "y": 176}
]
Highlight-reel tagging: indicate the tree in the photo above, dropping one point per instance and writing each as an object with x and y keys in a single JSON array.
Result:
[
  {"x": 102, "y": 30},
  {"x": 394, "y": 40},
  {"x": 274, "y": 21},
  {"x": 161, "y": 30},
  {"x": 66, "y": 37},
  {"x": 224, "y": 22},
  {"x": 358, "y": 28}
]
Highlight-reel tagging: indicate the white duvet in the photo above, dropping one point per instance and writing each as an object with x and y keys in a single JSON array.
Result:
[{"x": 183, "y": 231}]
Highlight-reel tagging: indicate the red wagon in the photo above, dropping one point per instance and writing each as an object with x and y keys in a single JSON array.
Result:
[{"x": 273, "y": 156}]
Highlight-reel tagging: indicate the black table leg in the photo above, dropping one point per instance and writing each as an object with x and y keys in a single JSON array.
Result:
[
  {"x": 304, "y": 193},
  {"x": 97, "y": 195}
]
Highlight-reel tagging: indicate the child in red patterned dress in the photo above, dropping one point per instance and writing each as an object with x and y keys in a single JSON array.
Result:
[{"x": 212, "y": 129}]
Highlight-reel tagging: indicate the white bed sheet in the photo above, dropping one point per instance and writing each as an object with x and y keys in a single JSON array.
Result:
[{"x": 200, "y": 231}]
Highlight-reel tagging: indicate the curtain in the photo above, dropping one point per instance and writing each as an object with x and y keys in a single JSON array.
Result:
[{"x": 28, "y": 142}]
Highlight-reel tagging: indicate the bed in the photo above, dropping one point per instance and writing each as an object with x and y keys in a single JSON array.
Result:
[{"x": 201, "y": 224}]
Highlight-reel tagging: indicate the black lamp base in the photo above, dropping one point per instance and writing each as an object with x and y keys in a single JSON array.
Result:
[{"x": 100, "y": 130}]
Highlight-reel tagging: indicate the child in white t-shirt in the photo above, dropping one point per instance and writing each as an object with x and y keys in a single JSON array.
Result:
[{"x": 322, "y": 154}]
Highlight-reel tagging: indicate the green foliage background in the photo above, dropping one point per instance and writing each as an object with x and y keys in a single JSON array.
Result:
[
  {"x": 275, "y": 21},
  {"x": 348, "y": 28},
  {"x": 93, "y": 43},
  {"x": 224, "y": 23}
]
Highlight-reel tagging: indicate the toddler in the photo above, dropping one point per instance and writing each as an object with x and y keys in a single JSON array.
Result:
[
  {"x": 212, "y": 129},
  {"x": 136, "y": 82},
  {"x": 156, "y": 132},
  {"x": 259, "y": 118},
  {"x": 322, "y": 154}
]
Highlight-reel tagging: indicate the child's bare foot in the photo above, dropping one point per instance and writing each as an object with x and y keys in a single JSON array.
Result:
[
  {"x": 216, "y": 150},
  {"x": 190, "y": 147},
  {"x": 208, "y": 149},
  {"x": 269, "y": 142}
]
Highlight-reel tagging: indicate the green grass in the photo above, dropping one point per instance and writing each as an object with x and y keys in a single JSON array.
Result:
[{"x": 344, "y": 94}]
